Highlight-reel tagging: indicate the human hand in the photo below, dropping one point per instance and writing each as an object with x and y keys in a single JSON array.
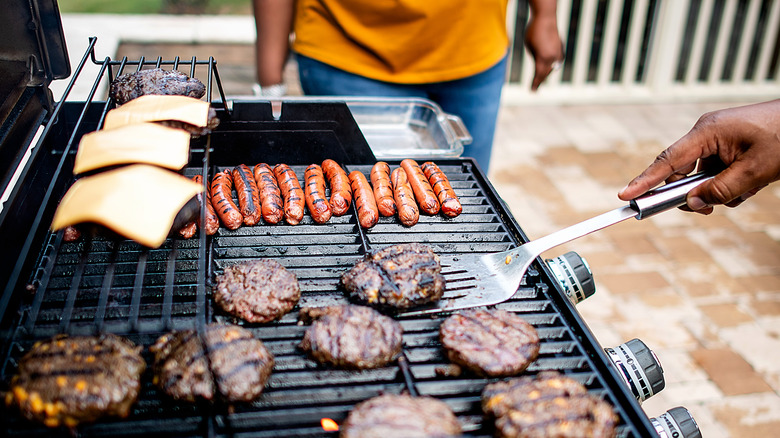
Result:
[
  {"x": 545, "y": 45},
  {"x": 741, "y": 145}
]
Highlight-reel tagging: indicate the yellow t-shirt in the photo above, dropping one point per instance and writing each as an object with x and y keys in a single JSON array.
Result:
[{"x": 403, "y": 41}]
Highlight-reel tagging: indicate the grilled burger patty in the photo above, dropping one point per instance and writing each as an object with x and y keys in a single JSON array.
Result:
[
  {"x": 257, "y": 291},
  {"x": 492, "y": 343},
  {"x": 70, "y": 380},
  {"x": 351, "y": 336},
  {"x": 402, "y": 416},
  {"x": 397, "y": 277},
  {"x": 195, "y": 131},
  {"x": 155, "y": 81},
  {"x": 239, "y": 363},
  {"x": 548, "y": 404}
]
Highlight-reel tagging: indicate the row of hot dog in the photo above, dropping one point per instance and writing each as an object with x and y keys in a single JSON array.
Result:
[{"x": 270, "y": 194}]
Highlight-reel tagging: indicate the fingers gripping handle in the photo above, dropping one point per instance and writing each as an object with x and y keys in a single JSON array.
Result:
[{"x": 666, "y": 197}]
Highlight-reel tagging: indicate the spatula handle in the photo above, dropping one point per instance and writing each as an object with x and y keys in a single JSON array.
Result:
[{"x": 666, "y": 197}]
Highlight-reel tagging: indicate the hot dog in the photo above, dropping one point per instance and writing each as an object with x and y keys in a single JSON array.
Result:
[
  {"x": 248, "y": 197},
  {"x": 408, "y": 213},
  {"x": 212, "y": 222},
  {"x": 383, "y": 191},
  {"x": 291, "y": 193},
  {"x": 450, "y": 205},
  {"x": 423, "y": 191},
  {"x": 188, "y": 230},
  {"x": 71, "y": 234},
  {"x": 315, "y": 194},
  {"x": 222, "y": 200},
  {"x": 340, "y": 190},
  {"x": 271, "y": 204},
  {"x": 368, "y": 215}
]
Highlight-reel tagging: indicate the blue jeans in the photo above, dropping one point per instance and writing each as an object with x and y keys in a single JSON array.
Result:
[{"x": 474, "y": 99}]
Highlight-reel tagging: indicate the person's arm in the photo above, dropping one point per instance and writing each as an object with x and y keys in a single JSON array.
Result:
[
  {"x": 273, "y": 19},
  {"x": 542, "y": 39},
  {"x": 740, "y": 145}
]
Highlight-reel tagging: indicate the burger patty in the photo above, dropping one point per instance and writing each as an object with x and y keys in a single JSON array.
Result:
[
  {"x": 351, "y": 336},
  {"x": 397, "y": 277},
  {"x": 239, "y": 363},
  {"x": 155, "y": 81},
  {"x": 491, "y": 343},
  {"x": 66, "y": 380},
  {"x": 257, "y": 291},
  {"x": 402, "y": 416},
  {"x": 548, "y": 404},
  {"x": 196, "y": 131}
]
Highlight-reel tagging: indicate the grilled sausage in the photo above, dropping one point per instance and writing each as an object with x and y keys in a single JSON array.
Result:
[
  {"x": 248, "y": 197},
  {"x": 271, "y": 204},
  {"x": 188, "y": 230},
  {"x": 222, "y": 200},
  {"x": 450, "y": 205},
  {"x": 423, "y": 191},
  {"x": 340, "y": 190},
  {"x": 408, "y": 213},
  {"x": 368, "y": 215},
  {"x": 383, "y": 191},
  {"x": 315, "y": 194},
  {"x": 212, "y": 221},
  {"x": 71, "y": 234},
  {"x": 291, "y": 193}
]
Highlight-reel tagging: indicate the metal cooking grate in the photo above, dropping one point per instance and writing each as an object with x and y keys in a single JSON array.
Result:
[{"x": 118, "y": 287}]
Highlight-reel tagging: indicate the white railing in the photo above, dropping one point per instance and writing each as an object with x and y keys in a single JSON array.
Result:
[{"x": 651, "y": 51}]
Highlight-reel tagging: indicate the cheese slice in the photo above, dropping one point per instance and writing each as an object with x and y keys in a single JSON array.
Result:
[
  {"x": 152, "y": 108},
  {"x": 148, "y": 143},
  {"x": 139, "y": 202}
]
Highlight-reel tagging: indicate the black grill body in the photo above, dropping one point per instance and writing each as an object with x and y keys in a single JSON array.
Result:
[{"x": 102, "y": 284}]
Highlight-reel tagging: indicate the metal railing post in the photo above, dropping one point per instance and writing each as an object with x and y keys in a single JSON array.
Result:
[{"x": 666, "y": 43}]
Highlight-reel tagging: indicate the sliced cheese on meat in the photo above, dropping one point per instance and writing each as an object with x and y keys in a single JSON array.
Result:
[
  {"x": 148, "y": 143},
  {"x": 153, "y": 108},
  {"x": 139, "y": 202}
]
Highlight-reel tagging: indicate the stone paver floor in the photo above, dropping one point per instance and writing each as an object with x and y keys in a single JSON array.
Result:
[{"x": 703, "y": 292}]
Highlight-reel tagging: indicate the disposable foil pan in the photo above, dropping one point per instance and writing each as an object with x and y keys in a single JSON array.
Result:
[{"x": 399, "y": 127}]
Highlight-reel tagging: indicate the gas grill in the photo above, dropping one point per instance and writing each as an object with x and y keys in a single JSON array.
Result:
[{"x": 101, "y": 284}]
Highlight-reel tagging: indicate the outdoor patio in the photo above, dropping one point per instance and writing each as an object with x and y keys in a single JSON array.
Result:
[{"x": 702, "y": 292}]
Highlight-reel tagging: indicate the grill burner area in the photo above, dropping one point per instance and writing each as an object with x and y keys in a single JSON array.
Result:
[{"x": 115, "y": 286}]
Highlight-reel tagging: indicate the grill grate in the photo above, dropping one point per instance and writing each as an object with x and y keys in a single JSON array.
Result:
[
  {"x": 101, "y": 284},
  {"x": 116, "y": 286}
]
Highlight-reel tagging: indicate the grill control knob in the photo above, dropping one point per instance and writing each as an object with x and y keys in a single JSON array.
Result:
[
  {"x": 573, "y": 273},
  {"x": 639, "y": 367},
  {"x": 676, "y": 423}
]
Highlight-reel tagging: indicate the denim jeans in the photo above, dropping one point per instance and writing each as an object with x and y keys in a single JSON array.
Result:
[{"x": 474, "y": 99}]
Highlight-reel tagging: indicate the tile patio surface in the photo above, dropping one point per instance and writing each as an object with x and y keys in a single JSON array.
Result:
[{"x": 703, "y": 292}]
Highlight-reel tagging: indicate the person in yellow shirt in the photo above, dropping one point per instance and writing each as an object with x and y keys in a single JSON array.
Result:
[{"x": 451, "y": 52}]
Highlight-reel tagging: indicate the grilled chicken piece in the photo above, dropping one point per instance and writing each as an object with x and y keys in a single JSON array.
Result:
[
  {"x": 397, "y": 277},
  {"x": 549, "y": 404},
  {"x": 351, "y": 336},
  {"x": 233, "y": 358},
  {"x": 492, "y": 343},
  {"x": 66, "y": 381},
  {"x": 257, "y": 291},
  {"x": 155, "y": 81},
  {"x": 390, "y": 415}
]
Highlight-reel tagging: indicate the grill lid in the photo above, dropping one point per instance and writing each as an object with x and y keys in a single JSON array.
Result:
[{"x": 32, "y": 54}]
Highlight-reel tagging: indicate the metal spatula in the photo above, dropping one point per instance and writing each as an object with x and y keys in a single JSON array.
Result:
[{"x": 475, "y": 280}]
